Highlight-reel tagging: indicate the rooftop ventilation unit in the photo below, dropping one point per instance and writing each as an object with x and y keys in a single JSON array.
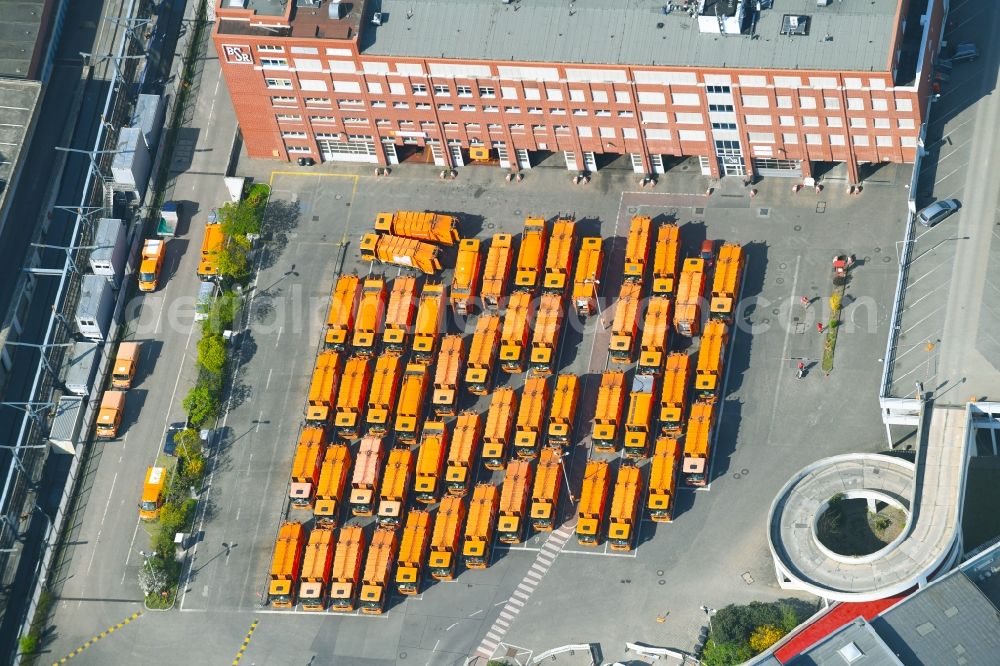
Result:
[
  {"x": 794, "y": 24},
  {"x": 308, "y": 4},
  {"x": 238, "y": 4}
]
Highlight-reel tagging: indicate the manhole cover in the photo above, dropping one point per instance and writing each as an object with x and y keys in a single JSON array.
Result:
[
  {"x": 765, "y": 321},
  {"x": 490, "y": 225},
  {"x": 402, "y": 655},
  {"x": 782, "y": 266},
  {"x": 800, "y": 525},
  {"x": 775, "y": 311},
  {"x": 744, "y": 471},
  {"x": 797, "y": 227},
  {"x": 632, "y": 209},
  {"x": 736, "y": 476},
  {"x": 877, "y": 250},
  {"x": 699, "y": 211},
  {"x": 517, "y": 211},
  {"x": 659, "y": 572},
  {"x": 661, "y": 582},
  {"x": 780, "y": 280},
  {"x": 821, "y": 207},
  {"x": 886, "y": 259},
  {"x": 747, "y": 578},
  {"x": 763, "y": 212},
  {"x": 338, "y": 197},
  {"x": 800, "y": 328}
]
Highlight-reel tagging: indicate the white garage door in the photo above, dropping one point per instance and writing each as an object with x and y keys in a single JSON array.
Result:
[
  {"x": 767, "y": 167},
  {"x": 355, "y": 149}
]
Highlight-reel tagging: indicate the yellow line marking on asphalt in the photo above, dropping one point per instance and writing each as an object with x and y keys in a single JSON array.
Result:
[
  {"x": 246, "y": 642},
  {"x": 107, "y": 632}
]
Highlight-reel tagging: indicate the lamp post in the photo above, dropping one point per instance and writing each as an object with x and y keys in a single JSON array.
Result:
[
  {"x": 565, "y": 477},
  {"x": 593, "y": 282},
  {"x": 709, "y": 612}
]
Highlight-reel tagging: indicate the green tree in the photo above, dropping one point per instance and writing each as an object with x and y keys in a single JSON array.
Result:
[
  {"x": 240, "y": 219},
  {"x": 28, "y": 644},
  {"x": 233, "y": 259},
  {"x": 764, "y": 637},
  {"x": 188, "y": 442},
  {"x": 212, "y": 353},
  {"x": 222, "y": 313},
  {"x": 201, "y": 404},
  {"x": 724, "y": 654}
]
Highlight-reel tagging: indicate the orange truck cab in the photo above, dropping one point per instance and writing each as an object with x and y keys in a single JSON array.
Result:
[
  {"x": 126, "y": 362},
  {"x": 306, "y": 467},
  {"x": 463, "y": 453},
  {"x": 332, "y": 481},
  {"x": 346, "y": 574},
  {"x": 152, "y": 493},
  {"x": 446, "y": 373},
  {"x": 430, "y": 462},
  {"x": 477, "y": 546},
  {"x": 666, "y": 259},
  {"x": 530, "y": 418},
  {"x": 559, "y": 258},
  {"x": 371, "y": 316},
  {"x": 323, "y": 389},
  {"x": 514, "y": 502},
  {"x": 364, "y": 482},
  {"x": 446, "y": 538},
  {"x": 498, "y": 262},
  {"x": 430, "y": 322},
  {"x": 153, "y": 252},
  {"x": 109, "y": 417},
  {"x": 516, "y": 335},
  {"x": 317, "y": 562},
  {"x": 399, "y": 314},
  {"x": 378, "y": 571},
  {"x": 413, "y": 552},
  {"x": 639, "y": 422},
  {"x": 343, "y": 309},
  {"x": 590, "y": 512},
  {"x": 545, "y": 492},
  {"x": 285, "y": 565},
  {"x": 497, "y": 435},
  {"x": 410, "y": 409},
  {"x": 386, "y": 379},
  {"x": 354, "y": 384},
  {"x": 655, "y": 336},
  {"x": 608, "y": 414},
  {"x": 545, "y": 341},
  {"x": 466, "y": 278},
  {"x": 674, "y": 399},
  {"x": 211, "y": 246},
  {"x": 531, "y": 254},
  {"x": 625, "y": 328}
]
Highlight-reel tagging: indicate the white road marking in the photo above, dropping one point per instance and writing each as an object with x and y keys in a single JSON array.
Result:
[
  {"x": 455, "y": 624},
  {"x": 131, "y": 545},
  {"x": 784, "y": 346},
  {"x": 110, "y": 495},
  {"x": 268, "y": 384},
  {"x": 277, "y": 340},
  {"x": 481, "y": 610}
]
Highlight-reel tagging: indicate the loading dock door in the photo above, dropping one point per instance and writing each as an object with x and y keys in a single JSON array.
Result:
[
  {"x": 352, "y": 150},
  {"x": 767, "y": 167}
]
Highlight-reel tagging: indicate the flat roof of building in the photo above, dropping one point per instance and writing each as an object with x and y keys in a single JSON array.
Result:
[
  {"x": 843, "y": 36},
  {"x": 17, "y": 106},
  {"x": 22, "y": 21}
]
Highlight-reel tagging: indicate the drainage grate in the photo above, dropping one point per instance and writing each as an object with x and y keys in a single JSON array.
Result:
[
  {"x": 699, "y": 210},
  {"x": 315, "y": 218},
  {"x": 821, "y": 207},
  {"x": 763, "y": 212}
]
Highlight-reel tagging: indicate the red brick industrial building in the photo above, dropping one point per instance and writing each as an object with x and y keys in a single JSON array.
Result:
[{"x": 742, "y": 84}]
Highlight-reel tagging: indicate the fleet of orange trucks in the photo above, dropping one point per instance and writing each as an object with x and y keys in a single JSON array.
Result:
[
  {"x": 589, "y": 267},
  {"x": 449, "y": 362},
  {"x": 545, "y": 340},
  {"x": 559, "y": 259},
  {"x": 623, "y": 523},
  {"x": 430, "y": 462},
  {"x": 346, "y": 572},
  {"x": 109, "y": 417},
  {"x": 399, "y": 314},
  {"x": 395, "y": 484},
  {"x": 446, "y": 538},
  {"x": 625, "y": 329},
  {"x": 690, "y": 290},
  {"x": 499, "y": 428},
  {"x": 531, "y": 254},
  {"x": 637, "y": 248},
  {"x": 666, "y": 259},
  {"x": 285, "y": 565},
  {"x": 564, "y": 398},
  {"x": 354, "y": 384},
  {"x": 343, "y": 308},
  {"x": 430, "y": 319},
  {"x": 153, "y": 251},
  {"x": 498, "y": 263},
  {"x": 655, "y": 336},
  {"x": 378, "y": 571},
  {"x": 371, "y": 315},
  {"x": 323, "y": 389},
  {"x": 332, "y": 481},
  {"x": 608, "y": 414},
  {"x": 316, "y": 565},
  {"x": 545, "y": 493},
  {"x": 211, "y": 245},
  {"x": 367, "y": 468},
  {"x": 514, "y": 502},
  {"x": 674, "y": 399},
  {"x": 590, "y": 512},
  {"x": 385, "y": 387},
  {"x": 126, "y": 362},
  {"x": 663, "y": 479},
  {"x": 479, "y": 527},
  {"x": 530, "y": 414},
  {"x": 462, "y": 453},
  {"x": 401, "y": 251},
  {"x": 410, "y": 410},
  {"x": 697, "y": 440},
  {"x": 413, "y": 552},
  {"x": 426, "y": 226},
  {"x": 466, "y": 278},
  {"x": 639, "y": 424},
  {"x": 482, "y": 355},
  {"x": 711, "y": 358},
  {"x": 306, "y": 467},
  {"x": 726, "y": 284},
  {"x": 516, "y": 331}
]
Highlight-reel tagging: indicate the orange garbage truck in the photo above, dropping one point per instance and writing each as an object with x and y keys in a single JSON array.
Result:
[
  {"x": 413, "y": 552},
  {"x": 482, "y": 355},
  {"x": 378, "y": 571},
  {"x": 564, "y": 399},
  {"x": 364, "y": 482},
  {"x": 625, "y": 328},
  {"x": 711, "y": 359},
  {"x": 593, "y": 496},
  {"x": 306, "y": 467},
  {"x": 640, "y": 421},
  {"x": 674, "y": 399},
  {"x": 666, "y": 259},
  {"x": 663, "y": 479},
  {"x": 655, "y": 336},
  {"x": 386, "y": 379},
  {"x": 623, "y": 523},
  {"x": 343, "y": 309},
  {"x": 410, "y": 410},
  {"x": 399, "y": 314},
  {"x": 697, "y": 444},
  {"x": 354, "y": 384},
  {"x": 479, "y": 527},
  {"x": 430, "y": 322},
  {"x": 371, "y": 317},
  {"x": 530, "y": 255},
  {"x": 516, "y": 332},
  {"x": 446, "y": 538},
  {"x": 346, "y": 573},
  {"x": 514, "y": 502},
  {"x": 726, "y": 284},
  {"x": 126, "y": 362},
  {"x": 608, "y": 414},
  {"x": 546, "y": 489},
  {"x": 285, "y": 565},
  {"x": 559, "y": 259},
  {"x": 449, "y": 362},
  {"x": 637, "y": 248},
  {"x": 499, "y": 259},
  {"x": 530, "y": 416},
  {"x": 323, "y": 389},
  {"x": 211, "y": 246},
  {"x": 589, "y": 268},
  {"x": 463, "y": 453},
  {"x": 395, "y": 485},
  {"x": 466, "y": 277},
  {"x": 317, "y": 563},
  {"x": 430, "y": 462},
  {"x": 424, "y": 226},
  {"x": 153, "y": 252},
  {"x": 399, "y": 251},
  {"x": 690, "y": 292},
  {"x": 545, "y": 341},
  {"x": 109, "y": 417},
  {"x": 497, "y": 436},
  {"x": 332, "y": 481}
]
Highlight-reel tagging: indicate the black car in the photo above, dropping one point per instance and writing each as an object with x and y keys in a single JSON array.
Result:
[{"x": 169, "y": 443}]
